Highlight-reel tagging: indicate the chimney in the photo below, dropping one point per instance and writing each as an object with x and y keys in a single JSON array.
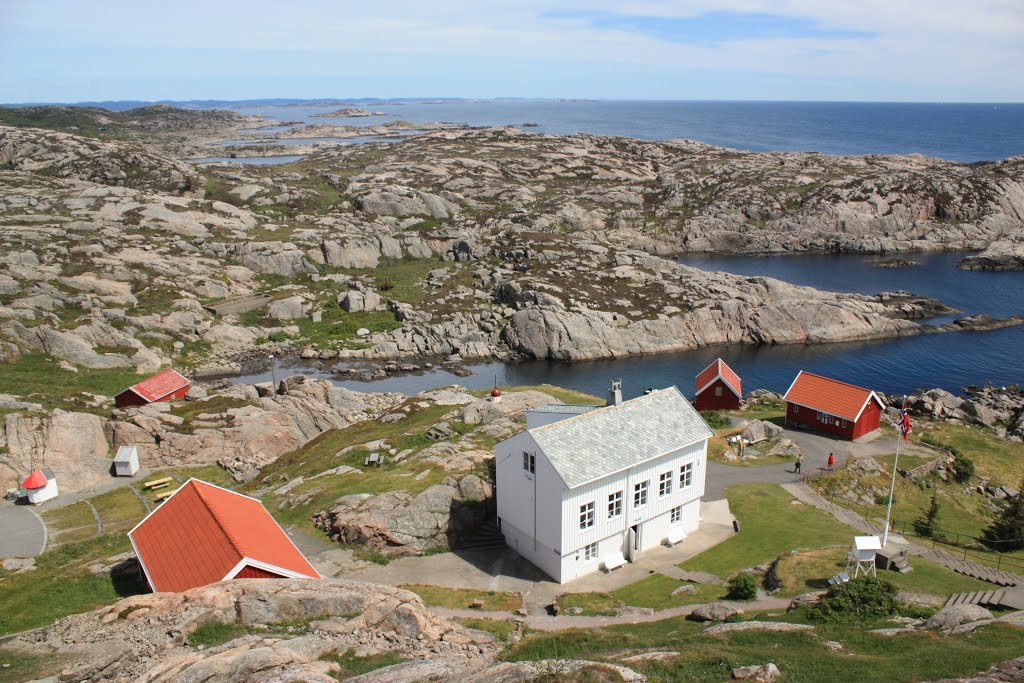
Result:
[{"x": 615, "y": 393}]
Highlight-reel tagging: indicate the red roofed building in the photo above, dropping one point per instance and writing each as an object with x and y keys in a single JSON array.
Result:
[
  {"x": 718, "y": 388},
  {"x": 204, "y": 533},
  {"x": 165, "y": 386},
  {"x": 828, "y": 405}
]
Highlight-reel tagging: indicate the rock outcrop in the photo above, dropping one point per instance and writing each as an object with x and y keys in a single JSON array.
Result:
[
  {"x": 1006, "y": 253},
  {"x": 73, "y": 445},
  {"x": 398, "y": 523}
]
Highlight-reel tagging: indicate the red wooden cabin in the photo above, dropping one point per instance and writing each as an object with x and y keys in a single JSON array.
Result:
[
  {"x": 718, "y": 388},
  {"x": 165, "y": 386},
  {"x": 204, "y": 533},
  {"x": 833, "y": 407}
]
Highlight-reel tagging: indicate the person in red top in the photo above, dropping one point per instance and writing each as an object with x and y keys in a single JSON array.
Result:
[{"x": 831, "y": 461}]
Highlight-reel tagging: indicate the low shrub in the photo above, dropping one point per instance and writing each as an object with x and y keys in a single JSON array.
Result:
[
  {"x": 857, "y": 600},
  {"x": 963, "y": 469},
  {"x": 715, "y": 419},
  {"x": 742, "y": 587}
]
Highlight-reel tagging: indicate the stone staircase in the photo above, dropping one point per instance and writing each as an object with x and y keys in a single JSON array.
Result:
[
  {"x": 968, "y": 568},
  {"x": 488, "y": 538},
  {"x": 806, "y": 494},
  {"x": 1006, "y": 598}
]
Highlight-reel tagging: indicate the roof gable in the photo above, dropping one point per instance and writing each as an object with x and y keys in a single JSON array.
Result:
[
  {"x": 712, "y": 372},
  {"x": 201, "y": 533},
  {"x": 610, "y": 439},
  {"x": 159, "y": 385},
  {"x": 830, "y": 396}
]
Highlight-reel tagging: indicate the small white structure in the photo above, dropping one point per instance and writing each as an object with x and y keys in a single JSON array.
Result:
[
  {"x": 587, "y": 488},
  {"x": 40, "y": 486},
  {"x": 862, "y": 557},
  {"x": 126, "y": 462}
]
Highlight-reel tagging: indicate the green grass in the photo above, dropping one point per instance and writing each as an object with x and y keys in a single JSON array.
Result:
[
  {"x": 800, "y": 655},
  {"x": 810, "y": 570},
  {"x": 998, "y": 458},
  {"x": 62, "y": 585},
  {"x": 350, "y": 664},
  {"x": 458, "y": 598},
  {"x": 563, "y": 395},
  {"x": 763, "y": 410},
  {"x": 71, "y": 523},
  {"x": 213, "y": 634},
  {"x": 654, "y": 591},
  {"x": 501, "y": 630},
  {"x": 189, "y": 410},
  {"x": 770, "y": 525},
  {"x": 21, "y": 665},
  {"x": 119, "y": 510},
  {"x": 37, "y": 377}
]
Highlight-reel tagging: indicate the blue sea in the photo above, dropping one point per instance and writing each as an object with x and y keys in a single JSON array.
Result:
[
  {"x": 960, "y": 132},
  {"x": 953, "y": 360}
]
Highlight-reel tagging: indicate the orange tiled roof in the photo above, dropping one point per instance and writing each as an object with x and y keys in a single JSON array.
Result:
[
  {"x": 829, "y": 395},
  {"x": 713, "y": 371},
  {"x": 202, "y": 533},
  {"x": 159, "y": 385}
]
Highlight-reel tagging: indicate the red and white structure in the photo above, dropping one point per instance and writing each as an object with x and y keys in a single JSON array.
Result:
[
  {"x": 40, "y": 486},
  {"x": 717, "y": 388},
  {"x": 828, "y": 405},
  {"x": 168, "y": 385},
  {"x": 204, "y": 533}
]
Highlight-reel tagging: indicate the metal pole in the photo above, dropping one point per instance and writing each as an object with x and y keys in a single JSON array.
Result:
[
  {"x": 273, "y": 372},
  {"x": 892, "y": 487}
]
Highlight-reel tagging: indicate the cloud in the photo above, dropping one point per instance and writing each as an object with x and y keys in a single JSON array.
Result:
[
  {"x": 712, "y": 27},
  {"x": 721, "y": 49}
]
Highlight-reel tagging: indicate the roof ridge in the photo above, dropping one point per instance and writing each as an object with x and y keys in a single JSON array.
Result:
[
  {"x": 599, "y": 409},
  {"x": 220, "y": 522},
  {"x": 837, "y": 381}
]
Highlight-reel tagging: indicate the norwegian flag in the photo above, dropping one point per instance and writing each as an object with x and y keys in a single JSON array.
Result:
[{"x": 905, "y": 421}]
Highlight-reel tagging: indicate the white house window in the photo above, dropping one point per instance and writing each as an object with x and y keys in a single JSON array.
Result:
[
  {"x": 590, "y": 551},
  {"x": 587, "y": 515},
  {"x": 665, "y": 484},
  {"x": 529, "y": 462},
  {"x": 677, "y": 514},
  {"x": 686, "y": 475},
  {"x": 640, "y": 493},
  {"x": 615, "y": 504},
  {"x": 718, "y": 391}
]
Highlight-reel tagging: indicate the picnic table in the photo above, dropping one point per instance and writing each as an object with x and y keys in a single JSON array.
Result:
[
  {"x": 158, "y": 483},
  {"x": 374, "y": 458}
]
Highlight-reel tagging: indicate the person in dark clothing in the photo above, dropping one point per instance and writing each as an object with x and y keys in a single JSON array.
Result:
[{"x": 799, "y": 463}]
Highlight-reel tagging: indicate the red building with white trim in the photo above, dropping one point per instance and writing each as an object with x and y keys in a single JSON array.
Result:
[
  {"x": 204, "y": 533},
  {"x": 718, "y": 388},
  {"x": 833, "y": 407},
  {"x": 168, "y": 385}
]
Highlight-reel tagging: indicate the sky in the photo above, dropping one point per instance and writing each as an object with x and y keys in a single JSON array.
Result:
[{"x": 863, "y": 50}]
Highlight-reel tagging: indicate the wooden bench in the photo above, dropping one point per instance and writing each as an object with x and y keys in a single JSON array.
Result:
[
  {"x": 374, "y": 458},
  {"x": 158, "y": 483},
  {"x": 164, "y": 496}
]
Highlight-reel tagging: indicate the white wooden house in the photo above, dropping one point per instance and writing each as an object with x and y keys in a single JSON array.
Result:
[
  {"x": 126, "y": 463},
  {"x": 40, "y": 486},
  {"x": 583, "y": 489}
]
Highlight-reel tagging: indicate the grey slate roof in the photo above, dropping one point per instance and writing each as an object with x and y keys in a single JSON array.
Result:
[
  {"x": 597, "y": 443},
  {"x": 560, "y": 408}
]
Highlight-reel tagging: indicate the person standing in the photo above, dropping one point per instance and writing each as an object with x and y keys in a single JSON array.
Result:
[
  {"x": 831, "y": 461},
  {"x": 799, "y": 463}
]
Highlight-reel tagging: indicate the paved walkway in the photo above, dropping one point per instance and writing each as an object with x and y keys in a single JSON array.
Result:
[
  {"x": 545, "y": 622},
  {"x": 508, "y": 571},
  {"x": 22, "y": 531}
]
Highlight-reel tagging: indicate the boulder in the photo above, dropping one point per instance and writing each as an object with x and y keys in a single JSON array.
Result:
[
  {"x": 512, "y": 404},
  {"x": 714, "y": 611},
  {"x": 764, "y": 673},
  {"x": 292, "y": 308},
  {"x": 73, "y": 445},
  {"x": 759, "y": 430},
  {"x": 955, "y": 615}
]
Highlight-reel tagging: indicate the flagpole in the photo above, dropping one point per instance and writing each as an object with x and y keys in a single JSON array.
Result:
[{"x": 892, "y": 486}]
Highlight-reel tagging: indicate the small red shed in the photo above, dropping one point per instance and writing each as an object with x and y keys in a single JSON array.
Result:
[
  {"x": 165, "y": 386},
  {"x": 830, "y": 406},
  {"x": 204, "y": 533},
  {"x": 718, "y": 388}
]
